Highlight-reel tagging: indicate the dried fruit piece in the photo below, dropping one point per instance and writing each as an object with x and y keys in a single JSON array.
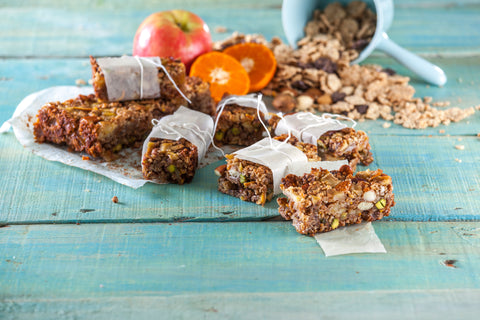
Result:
[
  {"x": 258, "y": 60},
  {"x": 223, "y": 72}
]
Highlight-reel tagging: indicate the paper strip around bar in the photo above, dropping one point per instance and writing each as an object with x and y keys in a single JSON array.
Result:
[
  {"x": 194, "y": 126},
  {"x": 282, "y": 159},
  {"x": 307, "y": 127},
  {"x": 249, "y": 101},
  {"x": 131, "y": 78}
]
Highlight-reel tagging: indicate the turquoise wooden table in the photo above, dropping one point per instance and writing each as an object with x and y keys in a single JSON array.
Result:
[{"x": 188, "y": 252}]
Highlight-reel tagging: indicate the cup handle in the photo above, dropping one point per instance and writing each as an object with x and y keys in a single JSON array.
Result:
[{"x": 421, "y": 67}]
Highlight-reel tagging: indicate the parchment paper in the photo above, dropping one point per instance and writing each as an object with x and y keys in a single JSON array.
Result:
[
  {"x": 358, "y": 238},
  {"x": 307, "y": 127},
  {"x": 283, "y": 158},
  {"x": 126, "y": 170}
]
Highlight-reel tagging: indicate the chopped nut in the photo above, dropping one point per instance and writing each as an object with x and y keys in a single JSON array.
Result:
[
  {"x": 220, "y": 170},
  {"x": 115, "y": 199},
  {"x": 304, "y": 102},
  {"x": 219, "y": 135},
  {"x": 369, "y": 196},
  {"x": 386, "y": 125},
  {"x": 335, "y": 223},
  {"x": 460, "y": 147},
  {"x": 362, "y": 206},
  {"x": 381, "y": 204},
  {"x": 324, "y": 99},
  {"x": 284, "y": 102}
]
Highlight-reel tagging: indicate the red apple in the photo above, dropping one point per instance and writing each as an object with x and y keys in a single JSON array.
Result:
[{"x": 177, "y": 33}]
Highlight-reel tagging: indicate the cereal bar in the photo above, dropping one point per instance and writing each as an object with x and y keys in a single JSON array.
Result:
[
  {"x": 100, "y": 129},
  {"x": 254, "y": 182},
  {"x": 168, "y": 91},
  {"x": 170, "y": 161},
  {"x": 322, "y": 201}
]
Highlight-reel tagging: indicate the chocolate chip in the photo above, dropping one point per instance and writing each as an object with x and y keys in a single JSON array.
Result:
[
  {"x": 389, "y": 71},
  {"x": 360, "y": 44},
  {"x": 361, "y": 108},
  {"x": 338, "y": 96},
  {"x": 325, "y": 64},
  {"x": 300, "y": 85},
  {"x": 304, "y": 65}
]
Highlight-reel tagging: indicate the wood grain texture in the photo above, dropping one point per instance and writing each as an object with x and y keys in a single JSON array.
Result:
[
  {"x": 430, "y": 184},
  {"x": 261, "y": 268},
  {"x": 56, "y": 28},
  {"x": 370, "y": 305}
]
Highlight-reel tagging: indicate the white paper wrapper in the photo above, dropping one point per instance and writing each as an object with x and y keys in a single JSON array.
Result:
[
  {"x": 194, "y": 126},
  {"x": 307, "y": 127},
  {"x": 250, "y": 101},
  {"x": 126, "y": 170},
  {"x": 358, "y": 238},
  {"x": 283, "y": 159}
]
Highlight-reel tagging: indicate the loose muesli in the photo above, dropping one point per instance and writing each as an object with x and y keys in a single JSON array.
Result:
[{"x": 318, "y": 76}]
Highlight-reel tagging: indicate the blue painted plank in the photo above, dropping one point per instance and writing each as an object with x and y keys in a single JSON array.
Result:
[
  {"x": 361, "y": 305},
  {"x": 123, "y": 260},
  {"x": 429, "y": 184},
  {"x": 58, "y": 29}
]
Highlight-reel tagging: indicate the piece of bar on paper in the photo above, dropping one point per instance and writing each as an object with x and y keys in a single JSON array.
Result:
[
  {"x": 175, "y": 146},
  {"x": 238, "y": 122},
  {"x": 100, "y": 129},
  {"x": 257, "y": 178},
  {"x": 170, "y": 161},
  {"x": 322, "y": 200},
  {"x": 124, "y": 74},
  {"x": 334, "y": 140}
]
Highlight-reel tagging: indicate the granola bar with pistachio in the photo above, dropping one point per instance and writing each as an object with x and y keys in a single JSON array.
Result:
[
  {"x": 170, "y": 161},
  {"x": 100, "y": 129},
  {"x": 322, "y": 201}
]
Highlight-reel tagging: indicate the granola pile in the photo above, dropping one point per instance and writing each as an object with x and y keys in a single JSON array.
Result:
[{"x": 318, "y": 76}]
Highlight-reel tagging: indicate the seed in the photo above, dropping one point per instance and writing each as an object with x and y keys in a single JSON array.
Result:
[
  {"x": 171, "y": 168},
  {"x": 381, "y": 204}
]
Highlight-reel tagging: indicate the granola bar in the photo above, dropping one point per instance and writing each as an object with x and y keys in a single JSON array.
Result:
[
  {"x": 168, "y": 91},
  {"x": 322, "y": 201},
  {"x": 239, "y": 125},
  {"x": 254, "y": 182},
  {"x": 198, "y": 92},
  {"x": 100, "y": 129},
  {"x": 346, "y": 143},
  {"x": 170, "y": 161}
]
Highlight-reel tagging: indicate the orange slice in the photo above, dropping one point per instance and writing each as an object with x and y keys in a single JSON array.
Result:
[
  {"x": 258, "y": 60},
  {"x": 222, "y": 72}
]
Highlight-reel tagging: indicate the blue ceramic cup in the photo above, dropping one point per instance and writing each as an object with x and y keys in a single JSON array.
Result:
[{"x": 296, "y": 14}]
